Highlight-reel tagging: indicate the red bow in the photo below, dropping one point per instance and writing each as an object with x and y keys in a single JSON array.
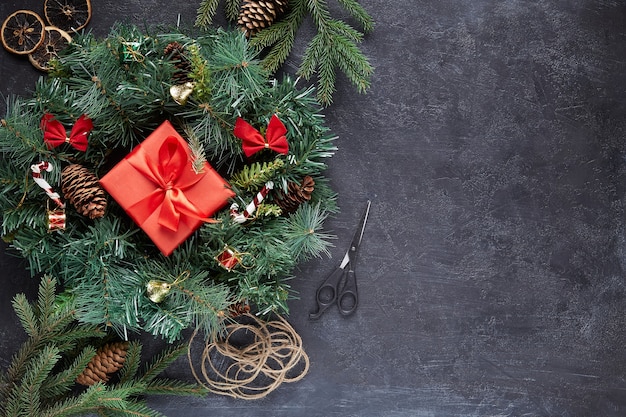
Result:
[
  {"x": 54, "y": 133},
  {"x": 254, "y": 142},
  {"x": 168, "y": 174}
]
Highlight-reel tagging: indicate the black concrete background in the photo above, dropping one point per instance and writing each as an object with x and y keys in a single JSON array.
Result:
[{"x": 492, "y": 274}]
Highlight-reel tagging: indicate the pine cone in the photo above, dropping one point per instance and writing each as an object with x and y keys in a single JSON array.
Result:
[
  {"x": 255, "y": 15},
  {"x": 296, "y": 195},
  {"x": 109, "y": 359},
  {"x": 82, "y": 189},
  {"x": 176, "y": 52},
  {"x": 238, "y": 309}
]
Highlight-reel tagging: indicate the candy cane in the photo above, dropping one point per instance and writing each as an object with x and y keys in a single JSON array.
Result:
[
  {"x": 46, "y": 166},
  {"x": 250, "y": 208}
]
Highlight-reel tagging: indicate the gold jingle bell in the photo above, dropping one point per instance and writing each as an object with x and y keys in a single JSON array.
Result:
[
  {"x": 157, "y": 290},
  {"x": 181, "y": 92}
]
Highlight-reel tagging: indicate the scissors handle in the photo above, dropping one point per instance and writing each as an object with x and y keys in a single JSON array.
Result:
[
  {"x": 326, "y": 294},
  {"x": 348, "y": 298}
]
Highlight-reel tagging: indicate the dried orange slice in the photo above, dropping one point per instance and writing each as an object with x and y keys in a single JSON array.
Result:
[
  {"x": 22, "y": 32},
  {"x": 68, "y": 15},
  {"x": 55, "y": 40}
]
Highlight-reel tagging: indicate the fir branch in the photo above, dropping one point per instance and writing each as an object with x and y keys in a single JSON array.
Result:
[
  {"x": 26, "y": 314},
  {"x": 326, "y": 73},
  {"x": 160, "y": 386},
  {"x": 320, "y": 56},
  {"x": 63, "y": 382},
  {"x": 38, "y": 383},
  {"x": 359, "y": 13},
  {"x": 319, "y": 13},
  {"x": 206, "y": 12},
  {"x": 232, "y": 8},
  {"x": 37, "y": 371},
  {"x": 280, "y": 40},
  {"x": 46, "y": 309},
  {"x": 285, "y": 28},
  {"x": 131, "y": 364},
  {"x": 253, "y": 176},
  {"x": 200, "y": 74},
  {"x": 160, "y": 362}
]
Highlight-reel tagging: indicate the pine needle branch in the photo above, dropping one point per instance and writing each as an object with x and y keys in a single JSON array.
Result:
[
  {"x": 305, "y": 232},
  {"x": 320, "y": 56},
  {"x": 206, "y": 12},
  {"x": 131, "y": 364},
  {"x": 359, "y": 13},
  {"x": 253, "y": 176},
  {"x": 232, "y": 9},
  {"x": 26, "y": 315},
  {"x": 38, "y": 383},
  {"x": 62, "y": 383},
  {"x": 162, "y": 361}
]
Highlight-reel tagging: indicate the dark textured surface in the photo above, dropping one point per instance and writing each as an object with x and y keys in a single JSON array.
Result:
[{"x": 492, "y": 274}]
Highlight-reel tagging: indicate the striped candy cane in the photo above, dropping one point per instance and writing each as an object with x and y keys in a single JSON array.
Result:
[
  {"x": 46, "y": 166},
  {"x": 250, "y": 208}
]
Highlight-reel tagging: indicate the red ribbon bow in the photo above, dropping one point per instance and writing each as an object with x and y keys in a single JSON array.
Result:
[
  {"x": 167, "y": 173},
  {"x": 254, "y": 142},
  {"x": 54, "y": 133}
]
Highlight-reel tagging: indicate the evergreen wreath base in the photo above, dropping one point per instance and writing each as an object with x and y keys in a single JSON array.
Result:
[{"x": 107, "y": 265}]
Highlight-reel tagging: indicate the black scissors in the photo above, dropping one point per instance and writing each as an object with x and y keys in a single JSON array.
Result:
[{"x": 340, "y": 286}]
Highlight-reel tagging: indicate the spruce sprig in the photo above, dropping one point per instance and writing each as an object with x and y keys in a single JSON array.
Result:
[
  {"x": 40, "y": 380},
  {"x": 333, "y": 47},
  {"x": 256, "y": 174}
]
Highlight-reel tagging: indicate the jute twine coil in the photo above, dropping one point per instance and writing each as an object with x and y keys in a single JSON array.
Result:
[{"x": 252, "y": 359}]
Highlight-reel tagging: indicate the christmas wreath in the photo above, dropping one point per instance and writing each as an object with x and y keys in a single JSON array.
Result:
[{"x": 167, "y": 180}]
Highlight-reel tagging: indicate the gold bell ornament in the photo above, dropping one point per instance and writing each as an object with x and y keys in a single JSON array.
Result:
[
  {"x": 157, "y": 290},
  {"x": 181, "y": 92}
]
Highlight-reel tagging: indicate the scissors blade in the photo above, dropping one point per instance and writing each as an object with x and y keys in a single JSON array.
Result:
[{"x": 356, "y": 240}]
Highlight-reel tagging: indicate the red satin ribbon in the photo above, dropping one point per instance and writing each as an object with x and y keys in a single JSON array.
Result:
[
  {"x": 169, "y": 196},
  {"x": 253, "y": 141},
  {"x": 54, "y": 133}
]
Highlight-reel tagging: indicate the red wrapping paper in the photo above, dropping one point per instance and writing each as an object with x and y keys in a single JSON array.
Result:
[{"x": 158, "y": 188}]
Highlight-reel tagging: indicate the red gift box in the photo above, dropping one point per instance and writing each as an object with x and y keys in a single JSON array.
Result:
[{"x": 159, "y": 189}]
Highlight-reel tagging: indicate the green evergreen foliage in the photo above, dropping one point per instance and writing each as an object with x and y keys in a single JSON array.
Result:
[
  {"x": 255, "y": 175},
  {"x": 106, "y": 264},
  {"x": 40, "y": 381},
  {"x": 333, "y": 47}
]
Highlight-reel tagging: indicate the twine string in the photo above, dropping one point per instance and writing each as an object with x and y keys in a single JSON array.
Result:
[{"x": 256, "y": 368}]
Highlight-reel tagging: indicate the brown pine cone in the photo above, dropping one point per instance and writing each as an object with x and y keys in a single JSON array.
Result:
[
  {"x": 296, "y": 195},
  {"x": 255, "y": 15},
  {"x": 82, "y": 189},
  {"x": 176, "y": 53},
  {"x": 109, "y": 359}
]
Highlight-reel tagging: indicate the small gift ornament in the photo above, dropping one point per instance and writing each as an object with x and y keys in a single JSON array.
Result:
[
  {"x": 129, "y": 52},
  {"x": 56, "y": 219},
  {"x": 228, "y": 258},
  {"x": 159, "y": 189}
]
